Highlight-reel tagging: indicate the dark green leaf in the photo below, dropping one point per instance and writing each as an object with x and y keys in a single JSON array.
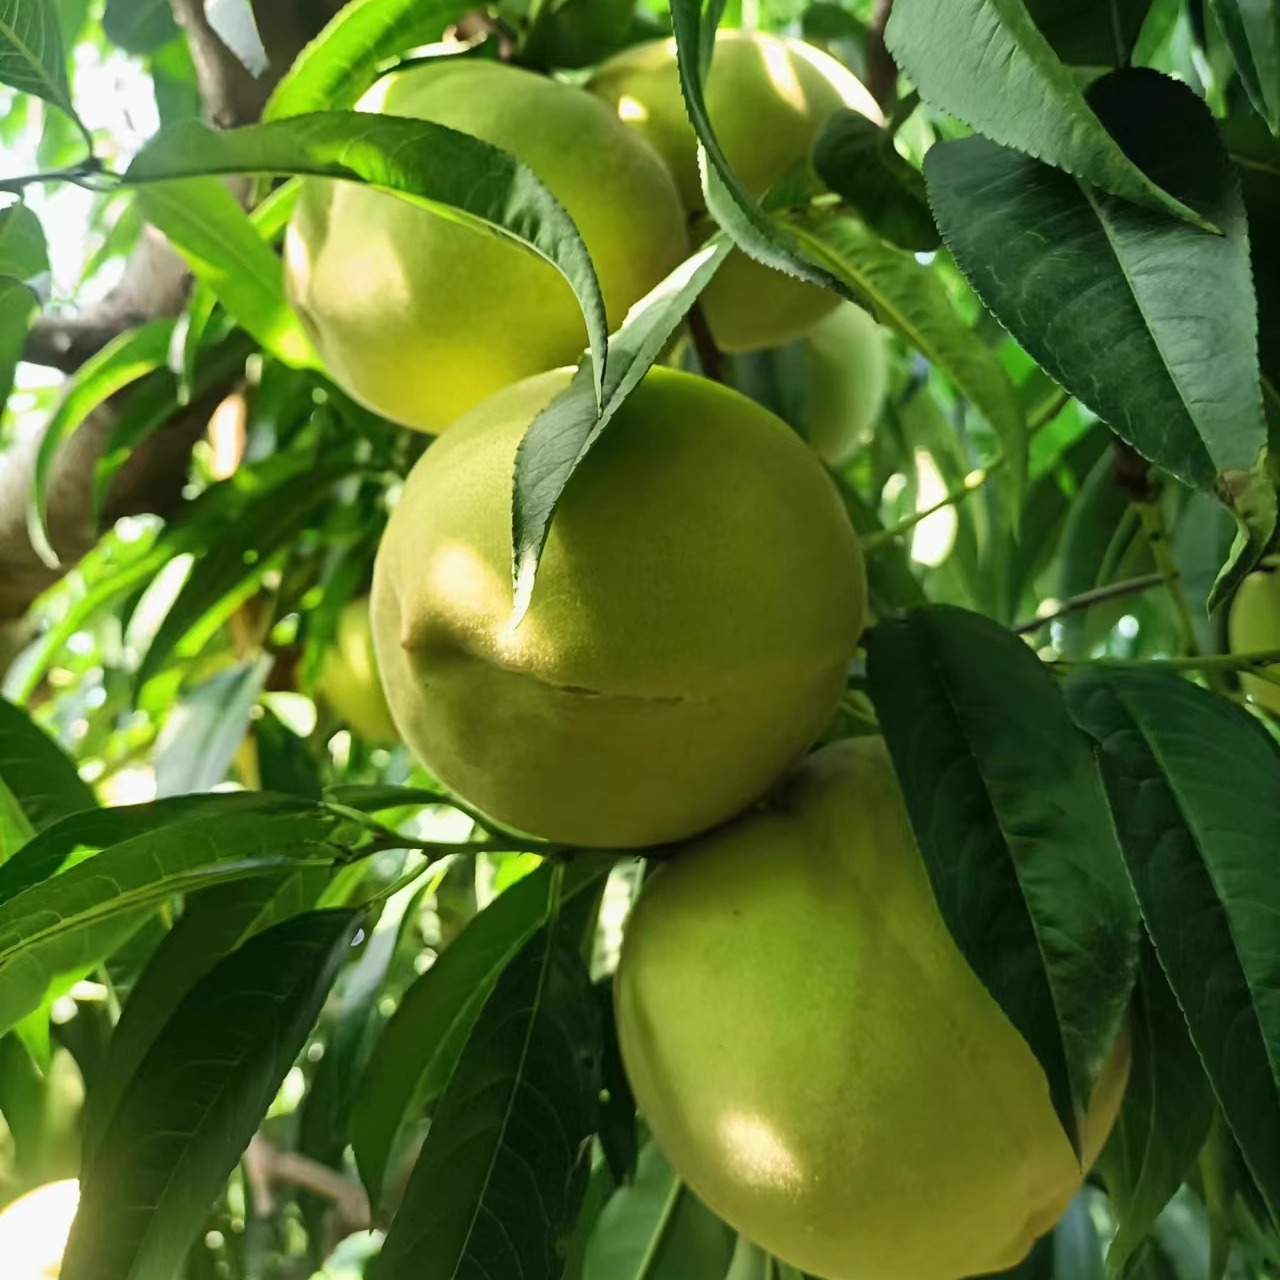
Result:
[
  {"x": 284, "y": 761},
  {"x": 1149, "y": 322},
  {"x": 123, "y": 360},
  {"x": 38, "y": 782},
  {"x": 345, "y": 58},
  {"x": 1015, "y": 832},
  {"x": 1090, "y": 33},
  {"x": 657, "y": 1229},
  {"x": 374, "y": 797},
  {"x": 452, "y": 173},
  {"x": 1252, "y": 28},
  {"x": 72, "y": 920},
  {"x": 986, "y": 62},
  {"x": 197, "y": 1098},
  {"x": 206, "y": 224},
  {"x": 618, "y": 1130},
  {"x": 31, "y": 57},
  {"x": 213, "y": 924},
  {"x": 501, "y": 1176},
  {"x": 205, "y": 729},
  {"x": 856, "y": 158},
  {"x": 138, "y": 26},
  {"x": 1164, "y": 1121},
  {"x": 561, "y": 436},
  {"x": 911, "y": 300},
  {"x": 1257, "y": 165},
  {"x": 418, "y": 1051},
  {"x": 1195, "y": 787}
]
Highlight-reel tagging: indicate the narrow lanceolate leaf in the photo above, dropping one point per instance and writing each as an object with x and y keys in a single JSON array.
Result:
[
  {"x": 197, "y": 1098},
  {"x": 743, "y": 220},
  {"x": 230, "y": 568},
  {"x": 213, "y": 924},
  {"x": 856, "y": 158},
  {"x": 451, "y": 173},
  {"x": 123, "y": 360},
  {"x": 1165, "y": 1119},
  {"x": 344, "y": 59},
  {"x": 1151, "y": 323},
  {"x": 657, "y": 1229},
  {"x": 1252, "y": 28},
  {"x": 38, "y": 782},
  {"x": 501, "y": 1175},
  {"x": 72, "y": 920},
  {"x": 419, "y": 1049},
  {"x": 82, "y": 833},
  {"x": 987, "y": 63},
  {"x": 910, "y": 299},
  {"x": 31, "y": 55},
  {"x": 206, "y": 224},
  {"x": 1195, "y": 786},
  {"x": 204, "y": 731},
  {"x": 1090, "y": 33},
  {"x": 561, "y": 436},
  {"x": 1015, "y": 831}
]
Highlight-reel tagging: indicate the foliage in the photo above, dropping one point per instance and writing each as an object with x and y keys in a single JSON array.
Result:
[{"x": 278, "y": 987}]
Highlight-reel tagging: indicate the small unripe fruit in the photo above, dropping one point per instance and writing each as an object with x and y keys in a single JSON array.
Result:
[
  {"x": 421, "y": 317},
  {"x": 349, "y": 680},
  {"x": 817, "y": 1060},
  {"x": 1255, "y": 628},
  {"x": 846, "y": 377},
  {"x": 768, "y": 97},
  {"x": 697, "y": 604}
]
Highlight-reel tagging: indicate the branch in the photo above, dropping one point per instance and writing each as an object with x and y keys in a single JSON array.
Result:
[
  {"x": 230, "y": 94},
  {"x": 1087, "y": 599},
  {"x": 882, "y": 72}
]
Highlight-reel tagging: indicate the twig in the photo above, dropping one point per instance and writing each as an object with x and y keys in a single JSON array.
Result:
[
  {"x": 1158, "y": 539},
  {"x": 704, "y": 343},
  {"x": 1248, "y": 662},
  {"x": 1087, "y": 599},
  {"x": 882, "y": 73},
  {"x": 266, "y": 1166},
  {"x": 77, "y": 173}
]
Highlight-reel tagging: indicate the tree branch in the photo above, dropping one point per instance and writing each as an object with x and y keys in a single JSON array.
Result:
[
  {"x": 230, "y": 94},
  {"x": 882, "y": 73}
]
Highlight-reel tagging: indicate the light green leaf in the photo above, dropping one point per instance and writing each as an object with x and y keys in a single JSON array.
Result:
[
  {"x": 910, "y": 299},
  {"x": 123, "y": 360},
  {"x": 561, "y": 436},
  {"x": 344, "y": 59},
  {"x": 987, "y": 63},
  {"x": 205, "y": 223},
  {"x": 657, "y": 1229}
]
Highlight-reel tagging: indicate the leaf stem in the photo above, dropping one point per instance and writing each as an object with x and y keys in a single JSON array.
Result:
[
  {"x": 1087, "y": 599},
  {"x": 1153, "y": 523},
  {"x": 1250, "y": 662},
  {"x": 970, "y": 484}
]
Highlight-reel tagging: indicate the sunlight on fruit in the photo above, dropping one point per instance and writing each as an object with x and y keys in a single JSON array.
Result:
[
  {"x": 632, "y": 110},
  {"x": 759, "y": 1153},
  {"x": 782, "y": 75},
  {"x": 34, "y": 1231}
]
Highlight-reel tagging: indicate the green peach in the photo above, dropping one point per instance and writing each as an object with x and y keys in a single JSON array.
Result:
[
  {"x": 699, "y": 598},
  {"x": 768, "y": 96},
  {"x": 349, "y": 680},
  {"x": 1255, "y": 627},
  {"x": 846, "y": 377},
  {"x": 421, "y": 317},
  {"x": 817, "y": 1060}
]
